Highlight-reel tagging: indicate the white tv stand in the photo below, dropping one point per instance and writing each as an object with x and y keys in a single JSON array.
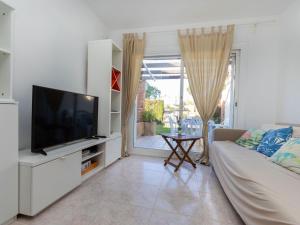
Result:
[{"x": 45, "y": 179}]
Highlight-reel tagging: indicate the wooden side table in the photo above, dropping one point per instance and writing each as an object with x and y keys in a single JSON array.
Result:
[{"x": 179, "y": 139}]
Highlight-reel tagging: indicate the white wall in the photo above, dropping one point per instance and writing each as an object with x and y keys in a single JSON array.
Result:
[
  {"x": 289, "y": 76},
  {"x": 257, "y": 82},
  {"x": 50, "y": 47},
  {"x": 257, "y": 85}
]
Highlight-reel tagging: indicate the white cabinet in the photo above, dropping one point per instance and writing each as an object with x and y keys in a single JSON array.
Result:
[
  {"x": 48, "y": 182},
  {"x": 8, "y": 161},
  {"x": 45, "y": 179},
  {"x": 105, "y": 80},
  {"x": 112, "y": 151}
]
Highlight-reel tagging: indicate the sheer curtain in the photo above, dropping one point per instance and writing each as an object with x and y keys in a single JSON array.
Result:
[
  {"x": 206, "y": 56},
  {"x": 133, "y": 54}
]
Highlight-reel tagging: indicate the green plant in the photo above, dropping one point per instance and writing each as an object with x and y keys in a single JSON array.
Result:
[
  {"x": 156, "y": 107},
  {"x": 217, "y": 115},
  {"x": 152, "y": 92},
  {"x": 160, "y": 128},
  {"x": 148, "y": 116}
]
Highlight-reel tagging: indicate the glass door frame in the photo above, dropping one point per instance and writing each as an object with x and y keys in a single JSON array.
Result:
[
  {"x": 234, "y": 95},
  {"x": 155, "y": 151},
  {"x": 236, "y": 53}
]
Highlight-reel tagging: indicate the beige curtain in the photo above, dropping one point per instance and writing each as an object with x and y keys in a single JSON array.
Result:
[
  {"x": 206, "y": 57},
  {"x": 133, "y": 54}
]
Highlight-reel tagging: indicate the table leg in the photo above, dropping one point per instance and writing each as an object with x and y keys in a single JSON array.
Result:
[
  {"x": 173, "y": 151},
  {"x": 185, "y": 153},
  {"x": 185, "y": 157}
]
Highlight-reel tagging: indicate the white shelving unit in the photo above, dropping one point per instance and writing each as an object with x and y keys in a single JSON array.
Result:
[
  {"x": 8, "y": 121},
  {"x": 6, "y": 20},
  {"x": 104, "y": 56}
]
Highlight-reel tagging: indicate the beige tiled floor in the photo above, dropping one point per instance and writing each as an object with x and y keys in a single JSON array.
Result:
[{"x": 141, "y": 191}]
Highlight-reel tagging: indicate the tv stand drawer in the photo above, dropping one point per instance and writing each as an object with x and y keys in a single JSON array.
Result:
[{"x": 42, "y": 185}]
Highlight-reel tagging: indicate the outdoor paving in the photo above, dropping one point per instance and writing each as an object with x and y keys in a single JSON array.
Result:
[{"x": 157, "y": 142}]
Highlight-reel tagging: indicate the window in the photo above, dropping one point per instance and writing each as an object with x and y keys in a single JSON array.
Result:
[{"x": 164, "y": 96}]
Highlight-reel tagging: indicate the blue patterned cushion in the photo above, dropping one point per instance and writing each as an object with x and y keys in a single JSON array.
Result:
[{"x": 273, "y": 140}]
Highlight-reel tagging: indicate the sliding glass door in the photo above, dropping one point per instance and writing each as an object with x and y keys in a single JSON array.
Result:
[{"x": 164, "y": 96}]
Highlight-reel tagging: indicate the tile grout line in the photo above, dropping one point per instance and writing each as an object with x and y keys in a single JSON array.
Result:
[{"x": 156, "y": 197}]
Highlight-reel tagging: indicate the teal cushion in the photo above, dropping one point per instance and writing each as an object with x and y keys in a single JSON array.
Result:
[{"x": 288, "y": 155}]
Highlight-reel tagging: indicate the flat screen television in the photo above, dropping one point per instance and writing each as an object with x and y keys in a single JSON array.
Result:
[{"x": 60, "y": 116}]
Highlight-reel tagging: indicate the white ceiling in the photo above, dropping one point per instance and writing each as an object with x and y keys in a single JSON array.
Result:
[{"x": 126, "y": 14}]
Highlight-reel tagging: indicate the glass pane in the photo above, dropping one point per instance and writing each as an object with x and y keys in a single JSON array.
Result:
[
  {"x": 159, "y": 105},
  {"x": 158, "y": 101},
  {"x": 189, "y": 106},
  {"x": 224, "y": 112}
]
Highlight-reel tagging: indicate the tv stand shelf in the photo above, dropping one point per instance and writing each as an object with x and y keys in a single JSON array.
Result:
[
  {"x": 27, "y": 158},
  {"x": 45, "y": 179},
  {"x": 92, "y": 172},
  {"x": 91, "y": 155},
  {"x": 92, "y": 160}
]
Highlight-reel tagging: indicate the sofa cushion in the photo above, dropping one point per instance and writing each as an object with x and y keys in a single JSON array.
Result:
[
  {"x": 288, "y": 155},
  {"x": 262, "y": 192},
  {"x": 273, "y": 140},
  {"x": 296, "y": 128},
  {"x": 251, "y": 138}
]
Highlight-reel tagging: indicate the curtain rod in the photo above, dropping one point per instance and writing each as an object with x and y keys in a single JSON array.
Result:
[{"x": 207, "y": 25}]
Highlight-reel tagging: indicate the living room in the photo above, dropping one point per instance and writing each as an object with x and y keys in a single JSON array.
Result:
[{"x": 101, "y": 100}]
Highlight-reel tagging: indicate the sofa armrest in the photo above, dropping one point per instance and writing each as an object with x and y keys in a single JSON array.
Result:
[{"x": 222, "y": 134}]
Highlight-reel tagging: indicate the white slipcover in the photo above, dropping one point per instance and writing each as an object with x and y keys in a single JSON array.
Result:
[{"x": 262, "y": 192}]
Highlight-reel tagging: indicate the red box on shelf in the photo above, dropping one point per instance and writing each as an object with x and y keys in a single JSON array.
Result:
[{"x": 115, "y": 75}]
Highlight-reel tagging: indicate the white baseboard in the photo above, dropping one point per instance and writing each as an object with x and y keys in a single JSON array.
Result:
[
  {"x": 150, "y": 152},
  {"x": 10, "y": 221}
]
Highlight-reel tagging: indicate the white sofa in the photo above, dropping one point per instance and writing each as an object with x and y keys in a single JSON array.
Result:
[{"x": 262, "y": 192}]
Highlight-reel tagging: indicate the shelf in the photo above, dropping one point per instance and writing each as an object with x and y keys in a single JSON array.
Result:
[
  {"x": 7, "y": 101},
  {"x": 115, "y": 79},
  {"x": 115, "y": 91},
  {"x": 4, "y": 51},
  {"x": 115, "y": 122},
  {"x": 115, "y": 47},
  {"x": 5, "y": 7},
  {"x": 114, "y": 135},
  {"x": 115, "y": 112},
  {"x": 5, "y": 76},
  {"x": 91, "y": 155},
  {"x": 116, "y": 68},
  {"x": 92, "y": 172}
]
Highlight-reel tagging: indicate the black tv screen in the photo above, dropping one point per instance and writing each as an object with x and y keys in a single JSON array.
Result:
[{"x": 59, "y": 117}]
